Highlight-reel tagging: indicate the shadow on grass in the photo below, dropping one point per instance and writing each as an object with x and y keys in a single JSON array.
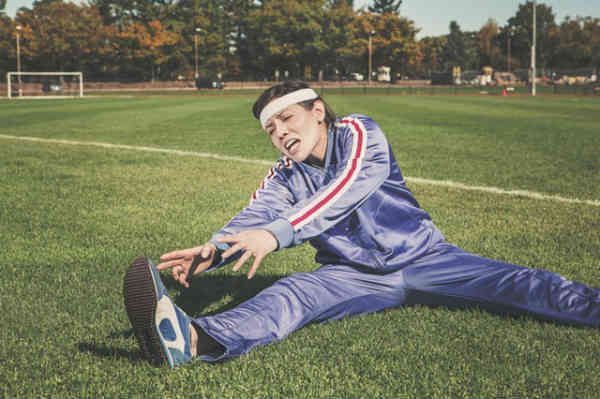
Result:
[
  {"x": 204, "y": 291},
  {"x": 207, "y": 289},
  {"x": 111, "y": 352}
]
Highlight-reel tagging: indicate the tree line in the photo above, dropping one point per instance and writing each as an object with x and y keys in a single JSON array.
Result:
[{"x": 141, "y": 40}]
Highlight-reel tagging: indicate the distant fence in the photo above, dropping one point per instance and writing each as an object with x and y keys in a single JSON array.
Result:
[
  {"x": 580, "y": 90},
  {"x": 421, "y": 87}
]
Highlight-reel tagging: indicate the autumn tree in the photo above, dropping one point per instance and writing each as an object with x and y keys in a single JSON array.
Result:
[
  {"x": 150, "y": 39},
  {"x": 209, "y": 23},
  {"x": 145, "y": 48},
  {"x": 178, "y": 20},
  {"x": 394, "y": 42},
  {"x": 8, "y": 52},
  {"x": 60, "y": 36}
]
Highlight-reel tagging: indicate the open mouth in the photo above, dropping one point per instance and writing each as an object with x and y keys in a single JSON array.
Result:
[{"x": 290, "y": 145}]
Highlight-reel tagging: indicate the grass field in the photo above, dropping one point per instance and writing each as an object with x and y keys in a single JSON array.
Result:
[{"x": 72, "y": 217}]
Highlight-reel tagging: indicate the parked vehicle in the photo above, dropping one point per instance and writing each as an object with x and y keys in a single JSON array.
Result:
[
  {"x": 52, "y": 86},
  {"x": 206, "y": 83},
  {"x": 357, "y": 76}
]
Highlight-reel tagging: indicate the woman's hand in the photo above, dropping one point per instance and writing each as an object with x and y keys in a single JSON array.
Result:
[
  {"x": 257, "y": 243},
  {"x": 180, "y": 261}
]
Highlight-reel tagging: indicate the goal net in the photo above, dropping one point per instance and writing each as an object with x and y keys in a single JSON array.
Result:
[{"x": 44, "y": 84}]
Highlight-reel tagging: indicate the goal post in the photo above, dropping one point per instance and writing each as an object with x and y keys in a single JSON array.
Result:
[{"x": 44, "y": 84}]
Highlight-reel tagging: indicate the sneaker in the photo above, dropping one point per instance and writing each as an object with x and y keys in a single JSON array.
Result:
[{"x": 161, "y": 328}]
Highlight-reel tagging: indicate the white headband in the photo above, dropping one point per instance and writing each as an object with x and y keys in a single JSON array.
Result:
[{"x": 283, "y": 102}]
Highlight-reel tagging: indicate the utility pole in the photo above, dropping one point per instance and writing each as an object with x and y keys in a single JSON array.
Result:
[
  {"x": 533, "y": 71},
  {"x": 18, "y": 28},
  {"x": 196, "y": 31},
  {"x": 195, "y": 55},
  {"x": 370, "y": 55}
]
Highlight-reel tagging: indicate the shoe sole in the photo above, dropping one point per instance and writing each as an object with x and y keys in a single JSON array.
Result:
[{"x": 139, "y": 293}]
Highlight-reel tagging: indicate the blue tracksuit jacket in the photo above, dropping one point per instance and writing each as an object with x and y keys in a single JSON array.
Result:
[{"x": 356, "y": 210}]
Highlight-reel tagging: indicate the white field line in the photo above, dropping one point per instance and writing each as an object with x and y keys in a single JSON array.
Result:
[
  {"x": 137, "y": 148},
  {"x": 417, "y": 180},
  {"x": 501, "y": 191}
]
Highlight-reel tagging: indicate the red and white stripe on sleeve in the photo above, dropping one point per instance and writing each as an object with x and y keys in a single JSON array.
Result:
[
  {"x": 342, "y": 183},
  {"x": 285, "y": 163}
]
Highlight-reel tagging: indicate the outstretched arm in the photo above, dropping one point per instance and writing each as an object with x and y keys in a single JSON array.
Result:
[{"x": 251, "y": 243}]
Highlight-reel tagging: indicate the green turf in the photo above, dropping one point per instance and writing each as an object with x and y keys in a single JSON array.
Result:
[
  {"x": 73, "y": 217},
  {"x": 544, "y": 144}
]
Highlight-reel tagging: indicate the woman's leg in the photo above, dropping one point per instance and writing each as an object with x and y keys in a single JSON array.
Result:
[
  {"x": 448, "y": 276},
  {"x": 453, "y": 277},
  {"x": 329, "y": 293}
]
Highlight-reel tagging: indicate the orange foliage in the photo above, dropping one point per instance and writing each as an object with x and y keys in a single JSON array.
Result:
[{"x": 139, "y": 41}]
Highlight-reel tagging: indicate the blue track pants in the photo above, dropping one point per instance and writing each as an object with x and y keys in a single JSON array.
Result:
[{"x": 446, "y": 276}]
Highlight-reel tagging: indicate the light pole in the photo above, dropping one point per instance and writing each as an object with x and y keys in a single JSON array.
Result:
[
  {"x": 370, "y": 54},
  {"x": 533, "y": 71},
  {"x": 196, "y": 31},
  {"x": 18, "y": 28}
]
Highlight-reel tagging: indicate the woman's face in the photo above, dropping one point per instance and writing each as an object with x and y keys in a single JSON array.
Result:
[{"x": 298, "y": 132}]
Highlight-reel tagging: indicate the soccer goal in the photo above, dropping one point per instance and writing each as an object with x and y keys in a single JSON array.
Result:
[{"x": 44, "y": 84}]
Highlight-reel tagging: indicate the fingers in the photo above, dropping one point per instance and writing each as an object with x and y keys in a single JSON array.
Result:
[
  {"x": 179, "y": 274},
  {"x": 254, "y": 243},
  {"x": 231, "y": 238},
  {"x": 180, "y": 262},
  {"x": 183, "y": 278},
  {"x": 167, "y": 265},
  {"x": 255, "y": 266},
  {"x": 175, "y": 273},
  {"x": 208, "y": 250},
  {"x": 232, "y": 250},
  {"x": 182, "y": 253},
  {"x": 175, "y": 258},
  {"x": 238, "y": 246},
  {"x": 245, "y": 256},
  {"x": 257, "y": 243}
]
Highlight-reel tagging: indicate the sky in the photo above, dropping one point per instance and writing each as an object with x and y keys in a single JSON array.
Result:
[{"x": 433, "y": 16}]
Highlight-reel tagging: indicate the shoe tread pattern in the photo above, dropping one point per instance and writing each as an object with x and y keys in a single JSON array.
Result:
[{"x": 140, "y": 302}]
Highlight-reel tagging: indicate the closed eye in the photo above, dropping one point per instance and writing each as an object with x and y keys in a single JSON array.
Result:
[{"x": 270, "y": 129}]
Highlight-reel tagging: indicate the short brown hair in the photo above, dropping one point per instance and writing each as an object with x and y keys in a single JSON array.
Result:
[{"x": 284, "y": 88}]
